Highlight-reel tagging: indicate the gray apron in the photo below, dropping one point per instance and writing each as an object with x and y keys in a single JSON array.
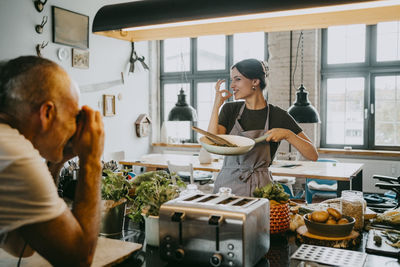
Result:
[{"x": 243, "y": 173}]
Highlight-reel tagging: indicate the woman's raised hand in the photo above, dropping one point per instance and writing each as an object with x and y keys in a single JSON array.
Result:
[{"x": 221, "y": 95}]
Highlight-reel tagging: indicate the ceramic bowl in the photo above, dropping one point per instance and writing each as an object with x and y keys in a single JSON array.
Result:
[{"x": 330, "y": 230}]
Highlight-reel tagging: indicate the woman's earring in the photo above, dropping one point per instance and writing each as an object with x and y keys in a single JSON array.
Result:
[{"x": 254, "y": 88}]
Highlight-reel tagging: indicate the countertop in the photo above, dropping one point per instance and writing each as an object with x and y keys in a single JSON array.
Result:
[{"x": 282, "y": 246}]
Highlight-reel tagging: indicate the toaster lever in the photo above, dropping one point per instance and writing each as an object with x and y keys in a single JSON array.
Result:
[
  {"x": 178, "y": 217},
  {"x": 215, "y": 220}
]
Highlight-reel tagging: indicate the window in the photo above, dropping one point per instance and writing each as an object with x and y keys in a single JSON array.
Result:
[
  {"x": 195, "y": 64},
  {"x": 361, "y": 86}
]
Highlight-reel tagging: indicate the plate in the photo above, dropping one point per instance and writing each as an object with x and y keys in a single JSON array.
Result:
[{"x": 62, "y": 54}]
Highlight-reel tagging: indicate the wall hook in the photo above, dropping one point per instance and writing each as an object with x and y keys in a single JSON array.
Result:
[
  {"x": 39, "y": 5},
  {"x": 39, "y": 28},
  {"x": 40, "y": 47},
  {"x": 133, "y": 58}
]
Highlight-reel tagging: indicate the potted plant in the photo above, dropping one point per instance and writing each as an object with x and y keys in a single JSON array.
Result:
[
  {"x": 279, "y": 206},
  {"x": 151, "y": 190},
  {"x": 115, "y": 189}
]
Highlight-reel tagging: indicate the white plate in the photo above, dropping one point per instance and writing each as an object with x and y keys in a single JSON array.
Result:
[{"x": 62, "y": 54}]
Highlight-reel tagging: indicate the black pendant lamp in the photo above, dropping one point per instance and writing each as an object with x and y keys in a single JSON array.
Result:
[
  {"x": 302, "y": 110},
  {"x": 182, "y": 111}
]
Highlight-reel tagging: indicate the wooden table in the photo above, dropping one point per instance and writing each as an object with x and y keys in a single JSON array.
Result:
[
  {"x": 108, "y": 252},
  {"x": 348, "y": 175}
]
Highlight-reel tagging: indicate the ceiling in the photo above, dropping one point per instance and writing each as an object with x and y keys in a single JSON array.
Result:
[{"x": 162, "y": 19}]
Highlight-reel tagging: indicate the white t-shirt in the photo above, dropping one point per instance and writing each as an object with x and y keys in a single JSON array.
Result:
[{"x": 27, "y": 190}]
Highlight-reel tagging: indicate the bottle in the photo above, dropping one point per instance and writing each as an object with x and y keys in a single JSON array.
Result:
[{"x": 352, "y": 204}]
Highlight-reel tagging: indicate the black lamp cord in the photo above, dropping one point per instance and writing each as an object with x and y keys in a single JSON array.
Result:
[
  {"x": 297, "y": 53},
  {"x": 22, "y": 253},
  {"x": 183, "y": 74}
]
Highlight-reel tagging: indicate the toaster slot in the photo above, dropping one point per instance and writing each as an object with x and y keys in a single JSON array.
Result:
[
  {"x": 242, "y": 202},
  {"x": 227, "y": 200},
  {"x": 193, "y": 197},
  {"x": 207, "y": 198}
]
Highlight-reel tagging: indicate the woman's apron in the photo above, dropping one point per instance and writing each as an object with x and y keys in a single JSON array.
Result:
[{"x": 243, "y": 173}]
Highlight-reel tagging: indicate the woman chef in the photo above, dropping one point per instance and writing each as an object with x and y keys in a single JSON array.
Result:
[{"x": 252, "y": 118}]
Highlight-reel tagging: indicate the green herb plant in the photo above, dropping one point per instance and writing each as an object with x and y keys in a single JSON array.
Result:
[
  {"x": 272, "y": 191},
  {"x": 114, "y": 186},
  {"x": 153, "y": 189}
]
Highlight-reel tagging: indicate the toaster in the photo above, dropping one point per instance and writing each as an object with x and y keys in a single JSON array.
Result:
[{"x": 214, "y": 230}]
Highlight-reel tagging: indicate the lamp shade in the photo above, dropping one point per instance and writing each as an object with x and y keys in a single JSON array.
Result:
[
  {"x": 302, "y": 110},
  {"x": 154, "y": 12},
  {"x": 182, "y": 111}
]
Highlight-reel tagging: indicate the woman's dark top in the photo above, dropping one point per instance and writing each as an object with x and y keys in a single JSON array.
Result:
[{"x": 255, "y": 120}]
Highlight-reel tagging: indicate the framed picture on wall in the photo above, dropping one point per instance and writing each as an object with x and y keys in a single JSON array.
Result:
[
  {"x": 80, "y": 58},
  {"x": 70, "y": 28},
  {"x": 108, "y": 105}
]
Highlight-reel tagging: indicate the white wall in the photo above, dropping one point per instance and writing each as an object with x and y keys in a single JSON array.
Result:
[{"x": 108, "y": 57}]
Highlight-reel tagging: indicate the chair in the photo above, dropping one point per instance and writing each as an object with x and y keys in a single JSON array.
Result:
[
  {"x": 319, "y": 186},
  {"x": 183, "y": 170},
  {"x": 286, "y": 182}
]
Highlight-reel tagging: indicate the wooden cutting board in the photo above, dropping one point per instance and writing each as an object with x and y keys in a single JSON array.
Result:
[
  {"x": 369, "y": 214},
  {"x": 108, "y": 252},
  {"x": 337, "y": 242}
]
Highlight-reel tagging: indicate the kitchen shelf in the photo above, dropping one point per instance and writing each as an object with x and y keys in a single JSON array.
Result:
[
  {"x": 186, "y": 145},
  {"x": 359, "y": 152}
]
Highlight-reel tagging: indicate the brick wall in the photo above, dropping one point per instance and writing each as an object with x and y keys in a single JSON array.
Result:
[{"x": 279, "y": 63}]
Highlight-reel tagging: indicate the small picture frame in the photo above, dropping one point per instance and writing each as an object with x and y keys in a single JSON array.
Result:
[
  {"x": 109, "y": 105},
  {"x": 70, "y": 28},
  {"x": 80, "y": 58}
]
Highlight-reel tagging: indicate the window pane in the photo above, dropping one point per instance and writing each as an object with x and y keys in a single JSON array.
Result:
[
  {"x": 345, "y": 106},
  {"x": 248, "y": 45},
  {"x": 205, "y": 101},
  {"x": 177, "y": 131},
  {"x": 387, "y": 110},
  {"x": 346, "y": 44},
  {"x": 388, "y": 41},
  {"x": 176, "y": 54},
  {"x": 211, "y": 52}
]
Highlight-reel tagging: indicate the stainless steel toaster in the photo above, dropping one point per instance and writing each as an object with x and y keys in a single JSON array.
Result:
[{"x": 214, "y": 230}]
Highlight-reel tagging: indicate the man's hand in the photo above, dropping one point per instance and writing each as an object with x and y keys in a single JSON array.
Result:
[{"x": 88, "y": 140}]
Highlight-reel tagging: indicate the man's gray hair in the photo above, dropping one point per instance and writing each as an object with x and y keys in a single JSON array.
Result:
[{"x": 23, "y": 84}]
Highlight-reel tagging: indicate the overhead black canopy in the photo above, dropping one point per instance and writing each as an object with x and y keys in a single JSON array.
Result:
[{"x": 150, "y": 12}]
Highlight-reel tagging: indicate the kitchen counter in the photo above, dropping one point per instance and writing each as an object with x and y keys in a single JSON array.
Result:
[
  {"x": 348, "y": 175},
  {"x": 282, "y": 246}
]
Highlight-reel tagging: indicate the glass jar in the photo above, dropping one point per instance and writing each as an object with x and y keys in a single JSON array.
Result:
[
  {"x": 352, "y": 204},
  {"x": 225, "y": 191},
  {"x": 191, "y": 189}
]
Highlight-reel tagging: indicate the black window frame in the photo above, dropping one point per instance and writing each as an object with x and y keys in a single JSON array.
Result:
[
  {"x": 194, "y": 76},
  {"x": 369, "y": 70}
]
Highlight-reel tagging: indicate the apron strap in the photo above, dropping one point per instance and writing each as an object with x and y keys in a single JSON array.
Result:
[
  {"x": 247, "y": 172},
  {"x": 241, "y": 111}
]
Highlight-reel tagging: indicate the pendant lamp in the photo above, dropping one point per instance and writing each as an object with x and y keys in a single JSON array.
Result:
[
  {"x": 302, "y": 110},
  {"x": 182, "y": 111}
]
